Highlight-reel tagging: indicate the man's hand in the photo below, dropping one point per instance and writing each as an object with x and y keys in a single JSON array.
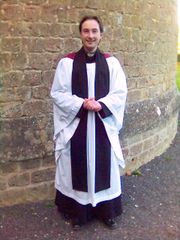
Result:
[{"x": 92, "y": 105}]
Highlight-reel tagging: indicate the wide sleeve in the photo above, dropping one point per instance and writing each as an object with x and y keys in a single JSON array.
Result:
[
  {"x": 116, "y": 98},
  {"x": 66, "y": 105}
]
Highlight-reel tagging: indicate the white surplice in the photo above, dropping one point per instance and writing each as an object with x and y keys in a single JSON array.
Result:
[{"x": 66, "y": 107}]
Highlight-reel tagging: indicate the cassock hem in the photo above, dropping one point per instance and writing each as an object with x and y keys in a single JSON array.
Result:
[
  {"x": 104, "y": 112},
  {"x": 108, "y": 197},
  {"x": 104, "y": 210}
]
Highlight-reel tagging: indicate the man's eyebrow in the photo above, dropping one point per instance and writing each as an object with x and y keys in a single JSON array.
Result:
[{"x": 90, "y": 28}]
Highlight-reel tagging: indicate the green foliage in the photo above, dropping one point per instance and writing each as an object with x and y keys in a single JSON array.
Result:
[
  {"x": 178, "y": 76},
  {"x": 168, "y": 158},
  {"x": 49, "y": 204},
  {"x": 137, "y": 172}
]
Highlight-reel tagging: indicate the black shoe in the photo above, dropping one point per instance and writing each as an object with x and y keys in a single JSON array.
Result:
[
  {"x": 76, "y": 224},
  {"x": 66, "y": 216},
  {"x": 110, "y": 223}
]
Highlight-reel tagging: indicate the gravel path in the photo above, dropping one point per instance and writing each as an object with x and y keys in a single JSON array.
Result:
[{"x": 151, "y": 203}]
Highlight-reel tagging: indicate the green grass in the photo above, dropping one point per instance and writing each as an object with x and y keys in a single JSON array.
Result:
[
  {"x": 168, "y": 158},
  {"x": 178, "y": 123},
  {"x": 137, "y": 172},
  {"x": 49, "y": 204},
  {"x": 178, "y": 76}
]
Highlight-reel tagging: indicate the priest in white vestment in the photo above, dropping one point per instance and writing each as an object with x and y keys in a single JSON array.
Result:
[{"x": 89, "y": 93}]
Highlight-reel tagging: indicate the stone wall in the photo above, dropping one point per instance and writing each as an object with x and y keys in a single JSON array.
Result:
[{"x": 34, "y": 35}]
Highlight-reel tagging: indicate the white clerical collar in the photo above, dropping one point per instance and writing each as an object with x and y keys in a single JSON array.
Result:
[{"x": 90, "y": 54}]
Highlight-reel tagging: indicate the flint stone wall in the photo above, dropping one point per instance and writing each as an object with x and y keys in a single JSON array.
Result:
[{"x": 34, "y": 35}]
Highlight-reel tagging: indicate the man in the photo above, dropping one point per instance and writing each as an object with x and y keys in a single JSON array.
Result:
[{"x": 89, "y": 93}]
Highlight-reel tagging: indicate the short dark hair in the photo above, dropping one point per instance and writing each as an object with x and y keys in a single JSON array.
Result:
[{"x": 85, "y": 18}]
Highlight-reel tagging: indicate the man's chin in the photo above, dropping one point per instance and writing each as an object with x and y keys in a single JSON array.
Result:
[{"x": 90, "y": 49}]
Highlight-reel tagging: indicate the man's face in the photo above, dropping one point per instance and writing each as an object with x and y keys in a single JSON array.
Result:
[{"x": 90, "y": 35}]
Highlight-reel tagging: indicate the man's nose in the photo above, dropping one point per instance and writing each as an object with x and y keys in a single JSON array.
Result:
[{"x": 90, "y": 34}]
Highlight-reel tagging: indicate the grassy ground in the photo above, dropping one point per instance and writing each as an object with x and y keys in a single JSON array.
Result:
[{"x": 178, "y": 76}]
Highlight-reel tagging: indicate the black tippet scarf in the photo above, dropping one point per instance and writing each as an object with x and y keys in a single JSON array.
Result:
[{"x": 78, "y": 140}]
